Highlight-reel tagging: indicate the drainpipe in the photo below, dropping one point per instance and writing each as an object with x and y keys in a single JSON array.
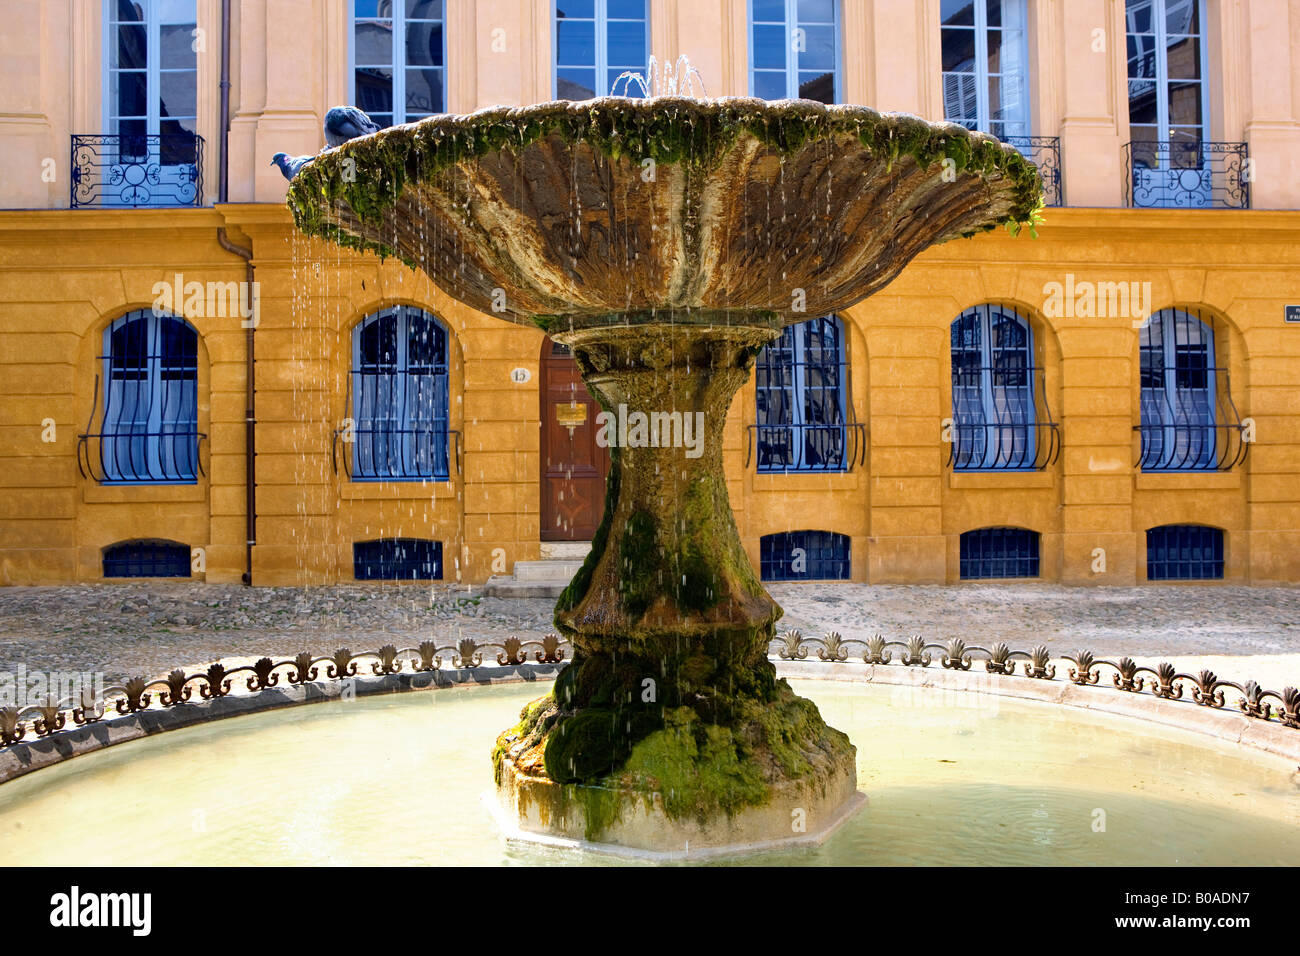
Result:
[
  {"x": 250, "y": 411},
  {"x": 250, "y": 404}
]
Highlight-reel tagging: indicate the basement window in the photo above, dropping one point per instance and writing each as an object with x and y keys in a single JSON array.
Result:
[
  {"x": 804, "y": 556},
  {"x": 147, "y": 559},
  {"x": 397, "y": 559},
  {"x": 999, "y": 553},
  {"x": 1184, "y": 552}
]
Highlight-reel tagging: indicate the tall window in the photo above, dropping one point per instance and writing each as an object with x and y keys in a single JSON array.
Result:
[
  {"x": 800, "y": 385},
  {"x": 1167, "y": 93},
  {"x": 150, "y": 93},
  {"x": 399, "y": 57},
  {"x": 1179, "y": 426},
  {"x": 794, "y": 50},
  {"x": 993, "y": 408},
  {"x": 985, "y": 58},
  {"x": 595, "y": 41},
  {"x": 149, "y": 431},
  {"x": 399, "y": 396}
]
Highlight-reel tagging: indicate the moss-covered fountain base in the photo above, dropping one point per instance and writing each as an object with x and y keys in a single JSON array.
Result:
[{"x": 690, "y": 788}]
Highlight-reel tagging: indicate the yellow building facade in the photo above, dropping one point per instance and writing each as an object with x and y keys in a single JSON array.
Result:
[{"x": 900, "y": 497}]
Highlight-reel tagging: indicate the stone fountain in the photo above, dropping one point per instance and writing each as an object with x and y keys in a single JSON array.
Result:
[{"x": 666, "y": 241}]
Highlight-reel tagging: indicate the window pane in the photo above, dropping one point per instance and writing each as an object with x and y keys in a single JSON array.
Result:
[
  {"x": 628, "y": 9},
  {"x": 819, "y": 49},
  {"x": 957, "y": 13},
  {"x": 424, "y": 9},
  {"x": 573, "y": 84},
  {"x": 958, "y": 50},
  {"x": 769, "y": 85},
  {"x": 576, "y": 8},
  {"x": 375, "y": 93},
  {"x": 817, "y": 86},
  {"x": 176, "y": 94},
  {"x": 423, "y": 44},
  {"x": 373, "y": 41},
  {"x": 769, "y": 11},
  {"x": 576, "y": 43},
  {"x": 816, "y": 11},
  {"x": 423, "y": 93},
  {"x": 176, "y": 11},
  {"x": 1185, "y": 104},
  {"x": 1184, "y": 58},
  {"x": 131, "y": 99},
  {"x": 626, "y": 47},
  {"x": 769, "y": 47},
  {"x": 132, "y": 47},
  {"x": 177, "y": 47}
]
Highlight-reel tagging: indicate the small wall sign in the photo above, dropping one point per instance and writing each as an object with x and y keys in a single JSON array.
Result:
[
  {"x": 520, "y": 376},
  {"x": 1292, "y": 313}
]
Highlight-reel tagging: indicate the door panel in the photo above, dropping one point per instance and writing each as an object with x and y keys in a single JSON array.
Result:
[{"x": 573, "y": 465}]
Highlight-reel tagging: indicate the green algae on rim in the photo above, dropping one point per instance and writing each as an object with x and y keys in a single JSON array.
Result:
[{"x": 669, "y": 130}]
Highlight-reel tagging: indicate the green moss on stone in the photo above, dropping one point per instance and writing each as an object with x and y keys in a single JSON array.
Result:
[{"x": 698, "y": 769}]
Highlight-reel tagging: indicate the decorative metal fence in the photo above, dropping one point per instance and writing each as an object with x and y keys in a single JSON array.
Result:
[
  {"x": 1045, "y": 153},
  {"x": 1187, "y": 175},
  {"x": 815, "y": 448},
  {"x": 112, "y": 169},
  {"x": 1163, "y": 681}
]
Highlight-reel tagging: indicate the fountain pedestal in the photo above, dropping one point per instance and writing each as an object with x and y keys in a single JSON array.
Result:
[{"x": 670, "y": 725}]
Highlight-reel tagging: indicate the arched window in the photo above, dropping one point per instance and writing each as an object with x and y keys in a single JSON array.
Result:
[
  {"x": 399, "y": 56},
  {"x": 1179, "y": 427},
  {"x": 149, "y": 430},
  {"x": 147, "y": 559},
  {"x": 794, "y": 50},
  {"x": 397, "y": 559},
  {"x": 993, "y": 408},
  {"x": 985, "y": 62},
  {"x": 804, "y": 556},
  {"x": 399, "y": 396},
  {"x": 595, "y": 41},
  {"x": 999, "y": 553},
  {"x": 800, "y": 384},
  {"x": 1184, "y": 552}
]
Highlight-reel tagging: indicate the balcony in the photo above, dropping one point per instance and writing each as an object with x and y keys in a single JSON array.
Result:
[
  {"x": 132, "y": 170},
  {"x": 1186, "y": 175},
  {"x": 1045, "y": 153}
]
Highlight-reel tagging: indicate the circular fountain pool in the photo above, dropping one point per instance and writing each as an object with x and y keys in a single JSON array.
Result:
[{"x": 952, "y": 779}]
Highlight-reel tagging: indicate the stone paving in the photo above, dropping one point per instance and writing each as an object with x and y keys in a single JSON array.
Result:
[{"x": 124, "y": 630}]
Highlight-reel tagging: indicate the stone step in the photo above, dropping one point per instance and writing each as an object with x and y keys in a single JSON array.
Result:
[
  {"x": 554, "y": 570},
  {"x": 565, "y": 550},
  {"x": 506, "y": 587}
]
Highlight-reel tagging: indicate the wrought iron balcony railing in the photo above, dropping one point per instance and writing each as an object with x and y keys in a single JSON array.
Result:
[
  {"x": 1045, "y": 153},
  {"x": 806, "y": 448},
  {"x": 994, "y": 446},
  {"x": 1191, "y": 175},
  {"x": 130, "y": 170},
  {"x": 1001, "y": 420}
]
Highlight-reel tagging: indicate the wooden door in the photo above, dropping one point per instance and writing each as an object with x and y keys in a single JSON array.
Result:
[{"x": 573, "y": 465}]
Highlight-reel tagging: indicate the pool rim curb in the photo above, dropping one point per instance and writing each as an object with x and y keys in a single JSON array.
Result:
[{"x": 1232, "y": 727}]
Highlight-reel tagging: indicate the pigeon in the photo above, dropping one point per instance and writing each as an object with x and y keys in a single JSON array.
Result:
[
  {"x": 291, "y": 166},
  {"x": 343, "y": 123}
]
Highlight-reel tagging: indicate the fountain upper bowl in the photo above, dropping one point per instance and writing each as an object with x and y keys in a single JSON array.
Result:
[{"x": 664, "y": 206}]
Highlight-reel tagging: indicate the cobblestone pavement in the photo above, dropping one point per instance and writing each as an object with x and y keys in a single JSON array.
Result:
[{"x": 146, "y": 629}]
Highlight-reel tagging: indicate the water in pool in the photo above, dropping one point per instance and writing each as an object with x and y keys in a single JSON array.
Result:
[{"x": 952, "y": 779}]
